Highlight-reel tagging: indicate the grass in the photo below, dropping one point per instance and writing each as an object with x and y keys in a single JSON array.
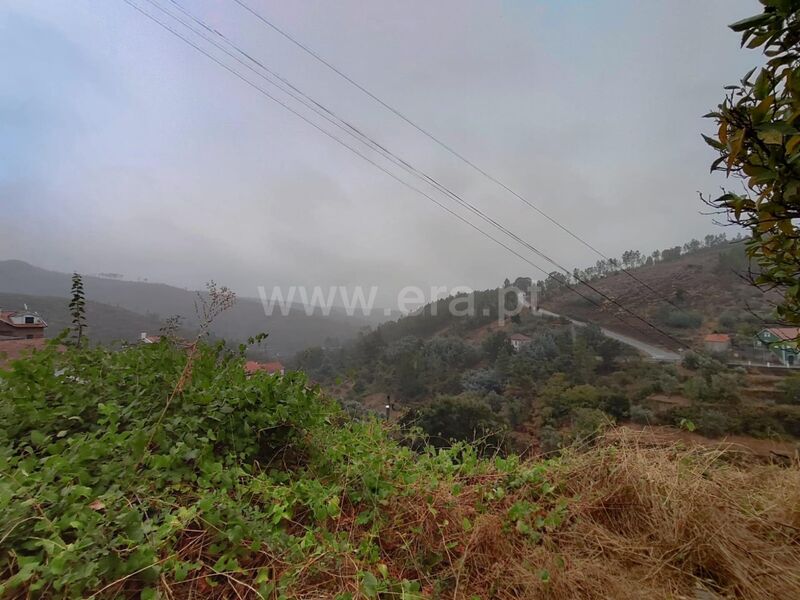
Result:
[{"x": 147, "y": 473}]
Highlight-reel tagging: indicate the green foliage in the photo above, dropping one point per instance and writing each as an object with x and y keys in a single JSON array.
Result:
[
  {"x": 482, "y": 381},
  {"x": 680, "y": 319},
  {"x": 93, "y": 451},
  {"x": 723, "y": 388},
  {"x": 642, "y": 416},
  {"x": 691, "y": 360},
  {"x": 588, "y": 423},
  {"x": 758, "y": 141},
  {"x": 712, "y": 423},
  {"x": 790, "y": 389},
  {"x": 494, "y": 344},
  {"x": 77, "y": 309},
  {"x": 125, "y": 470},
  {"x": 461, "y": 418}
]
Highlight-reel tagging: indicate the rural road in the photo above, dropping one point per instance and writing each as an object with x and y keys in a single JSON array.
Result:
[{"x": 653, "y": 352}]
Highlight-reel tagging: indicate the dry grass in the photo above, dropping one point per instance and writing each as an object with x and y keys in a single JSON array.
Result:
[{"x": 641, "y": 522}]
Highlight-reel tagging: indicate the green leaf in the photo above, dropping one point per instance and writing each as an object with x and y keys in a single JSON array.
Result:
[
  {"x": 38, "y": 438},
  {"x": 544, "y": 576},
  {"x": 148, "y": 594},
  {"x": 751, "y": 22},
  {"x": 369, "y": 585}
]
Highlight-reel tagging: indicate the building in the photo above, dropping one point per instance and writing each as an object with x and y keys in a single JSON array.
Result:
[
  {"x": 518, "y": 340},
  {"x": 782, "y": 342},
  {"x": 717, "y": 343},
  {"x": 149, "y": 339},
  {"x": 21, "y": 325},
  {"x": 251, "y": 367}
]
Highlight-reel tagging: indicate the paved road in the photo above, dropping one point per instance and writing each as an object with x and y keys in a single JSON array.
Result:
[{"x": 654, "y": 352}]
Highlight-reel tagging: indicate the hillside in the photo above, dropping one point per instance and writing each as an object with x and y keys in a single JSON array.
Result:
[
  {"x": 462, "y": 376},
  {"x": 287, "y": 334},
  {"x": 108, "y": 323},
  {"x": 262, "y": 488},
  {"x": 707, "y": 288}
]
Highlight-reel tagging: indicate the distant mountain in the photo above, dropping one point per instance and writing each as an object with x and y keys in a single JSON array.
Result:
[
  {"x": 157, "y": 301},
  {"x": 107, "y": 323}
]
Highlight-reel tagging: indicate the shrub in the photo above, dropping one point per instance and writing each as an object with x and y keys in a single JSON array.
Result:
[
  {"x": 790, "y": 389},
  {"x": 691, "y": 360},
  {"x": 549, "y": 439},
  {"x": 588, "y": 423},
  {"x": 461, "y": 418},
  {"x": 617, "y": 405},
  {"x": 682, "y": 319},
  {"x": 713, "y": 423},
  {"x": 642, "y": 415},
  {"x": 482, "y": 381}
]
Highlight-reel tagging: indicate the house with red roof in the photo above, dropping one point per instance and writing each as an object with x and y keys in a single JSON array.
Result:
[
  {"x": 518, "y": 340},
  {"x": 22, "y": 325},
  {"x": 252, "y": 367},
  {"x": 144, "y": 338},
  {"x": 717, "y": 343}
]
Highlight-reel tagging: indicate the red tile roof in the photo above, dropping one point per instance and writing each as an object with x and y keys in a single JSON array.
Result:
[
  {"x": 252, "y": 366},
  {"x": 785, "y": 333},
  {"x": 717, "y": 337},
  {"x": 518, "y": 337},
  {"x": 5, "y": 317}
]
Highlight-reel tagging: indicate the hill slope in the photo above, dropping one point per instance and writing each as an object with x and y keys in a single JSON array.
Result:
[
  {"x": 287, "y": 334},
  {"x": 107, "y": 323},
  {"x": 707, "y": 291},
  {"x": 289, "y": 498}
]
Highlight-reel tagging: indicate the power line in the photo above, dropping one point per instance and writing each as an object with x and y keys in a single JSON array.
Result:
[
  {"x": 386, "y": 154},
  {"x": 374, "y": 145},
  {"x": 444, "y": 145}
]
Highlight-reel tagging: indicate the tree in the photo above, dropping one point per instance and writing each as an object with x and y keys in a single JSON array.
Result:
[
  {"x": 758, "y": 141},
  {"x": 461, "y": 418},
  {"x": 495, "y": 343},
  {"x": 77, "y": 309}
]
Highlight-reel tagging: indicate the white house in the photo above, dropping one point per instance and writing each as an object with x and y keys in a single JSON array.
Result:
[{"x": 518, "y": 340}]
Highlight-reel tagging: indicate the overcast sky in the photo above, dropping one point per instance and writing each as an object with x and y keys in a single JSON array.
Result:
[{"x": 123, "y": 149}]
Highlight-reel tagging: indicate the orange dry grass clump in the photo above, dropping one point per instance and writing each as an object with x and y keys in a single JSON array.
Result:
[
  {"x": 641, "y": 523},
  {"x": 634, "y": 522}
]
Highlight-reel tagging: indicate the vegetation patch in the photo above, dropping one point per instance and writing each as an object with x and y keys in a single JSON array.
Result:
[{"x": 163, "y": 471}]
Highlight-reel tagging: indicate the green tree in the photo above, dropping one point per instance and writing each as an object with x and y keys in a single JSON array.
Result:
[
  {"x": 495, "y": 343},
  {"x": 758, "y": 141},
  {"x": 77, "y": 309},
  {"x": 461, "y": 418}
]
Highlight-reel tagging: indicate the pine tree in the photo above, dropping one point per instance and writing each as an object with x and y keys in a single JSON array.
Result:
[{"x": 77, "y": 309}]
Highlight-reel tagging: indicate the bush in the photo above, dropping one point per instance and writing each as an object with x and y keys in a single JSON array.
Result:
[
  {"x": 110, "y": 456},
  {"x": 691, "y": 360},
  {"x": 588, "y": 423},
  {"x": 790, "y": 389},
  {"x": 482, "y": 381},
  {"x": 461, "y": 418},
  {"x": 549, "y": 439},
  {"x": 713, "y": 423},
  {"x": 642, "y": 415},
  {"x": 682, "y": 319},
  {"x": 617, "y": 405}
]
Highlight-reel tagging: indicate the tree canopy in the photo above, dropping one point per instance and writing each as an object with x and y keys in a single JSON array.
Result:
[{"x": 758, "y": 141}]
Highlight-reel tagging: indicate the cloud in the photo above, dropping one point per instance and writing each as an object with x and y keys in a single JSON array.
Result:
[{"x": 126, "y": 151}]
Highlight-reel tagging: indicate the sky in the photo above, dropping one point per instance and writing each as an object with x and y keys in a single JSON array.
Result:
[{"x": 123, "y": 149}]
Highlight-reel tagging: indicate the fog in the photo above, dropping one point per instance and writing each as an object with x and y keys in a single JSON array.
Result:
[{"x": 122, "y": 149}]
